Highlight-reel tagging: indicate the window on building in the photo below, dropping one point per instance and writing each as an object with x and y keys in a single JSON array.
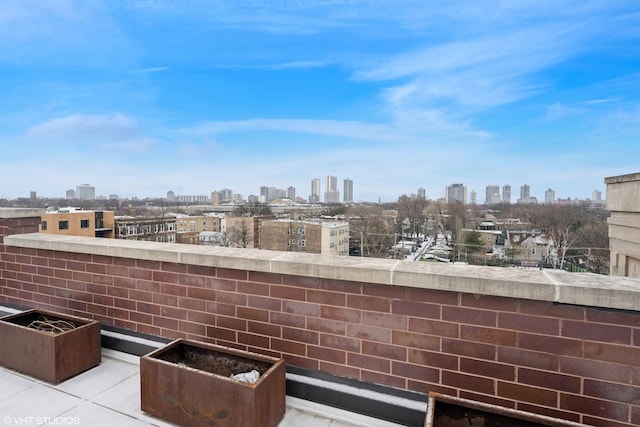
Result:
[
  {"x": 44, "y": 225},
  {"x": 63, "y": 225},
  {"x": 84, "y": 223}
]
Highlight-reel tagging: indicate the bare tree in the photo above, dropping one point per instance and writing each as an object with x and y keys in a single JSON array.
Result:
[
  {"x": 413, "y": 209},
  {"x": 241, "y": 232},
  {"x": 372, "y": 229}
]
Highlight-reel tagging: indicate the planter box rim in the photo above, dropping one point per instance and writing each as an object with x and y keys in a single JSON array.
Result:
[
  {"x": 84, "y": 321},
  {"x": 220, "y": 349}
]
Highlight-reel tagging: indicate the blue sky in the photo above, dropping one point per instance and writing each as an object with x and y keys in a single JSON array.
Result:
[{"x": 141, "y": 97}]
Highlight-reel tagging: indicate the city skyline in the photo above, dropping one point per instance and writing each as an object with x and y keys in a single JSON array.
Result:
[{"x": 141, "y": 97}]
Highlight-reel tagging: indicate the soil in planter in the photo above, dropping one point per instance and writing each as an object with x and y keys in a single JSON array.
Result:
[
  {"x": 449, "y": 415},
  {"x": 212, "y": 361},
  {"x": 46, "y": 323}
]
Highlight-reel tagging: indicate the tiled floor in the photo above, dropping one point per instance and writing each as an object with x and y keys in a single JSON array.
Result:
[{"x": 108, "y": 395}]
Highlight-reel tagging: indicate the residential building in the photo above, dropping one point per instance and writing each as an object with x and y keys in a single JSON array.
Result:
[
  {"x": 474, "y": 197},
  {"x": 197, "y": 199},
  {"x": 492, "y": 195},
  {"x": 422, "y": 193},
  {"x": 71, "y": 194},
  {"x": 549, "y": 196},
  {"x": 86, "y": 192},
  {"x": 291, "y": 192},
  {"x": 331, "y": 194},
  {"x": 155, "y": 229},
  {"x": 596, "y": 197},
  {"x": 188, "y": 228},
  {"x": 311, "y": 236},
  {"x": 348, "y": 191},
  {"x": 77, "y": 222},
  {"x": 456, "y": 193},
  {"x": 623, "y": 201},
  {"x": 525, "y": 191},
  {"x": 506, "y": 193},
  {"x": 315, "y": 191}
]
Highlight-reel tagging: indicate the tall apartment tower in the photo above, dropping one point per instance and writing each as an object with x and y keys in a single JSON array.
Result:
[
  {"x": 549, "y": 196},
  {"x": 331, "y": 194},
  {"x": 506, "y": 193},
  {"x": 492, "y": 195},
  {"x": 596, "y": 197},
  {"x": 291, "y": 192},
  {"x": 456, "y": 193},
  {"x": 86, "y": 192},
  {"x": 422, "y": 193},
  {"x": 525, "y": 191},
  {"x": 315, "y": 191},
  {"x": 474, "y": 197},
  {"x": 348, "y": 191}
]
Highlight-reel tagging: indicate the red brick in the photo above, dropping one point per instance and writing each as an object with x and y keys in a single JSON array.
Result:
[
  {"x": 189, "y": 280},
  {"x": 367, "y": 332},
  {"x": 339, "y": 369},
  {"x": 192, "y": 328},
  {"x": 80, "y": 276},
  {"x": 265, "y": 277},
  {"x": 101, "y": 259},
  {"x": 124, "y": 262},
  {"x": 340, "y": 342},
  {"x": 488, "y": 335},
  {"x": 339, "y": 313},
  {"x": 191, "y": 304},
  {"x": 548, "y": 412},
  {"x": 300, "y": 361},
  {"x": 289, "y": 347},
  {"x": 173, "y": 312},
  {"x": 201, "y": 270},
  {"x": 45, "y": 271},
  {"x": 253, "y": 340},
  {"x": 264, "y": 329},
  {"x": 147, "y": 285},
  {"x": 145, "y": 264},
  {"x": 596, "y": 407},
  {"x": 611, "y": 391},
  {"x": 434, "y": 327},
  {"x": 250, "y": 313},
  {"x": 96, "y": 268},
  {"x": 527, "y": 323},
  {"x": 384, "y": 350},
  {"x": 489, "y": 302},
  {"x": 413, "y": 340},
  {"x": 301, "y": 281},
  {"x": 301, "y": 308},
  {"x": 326, "y": 297},
  {"x": 488, "y": 369},
  {"x": 148, "y": 308},
  {"x": 102, "y": 280},
  {"x": 219, "y": 308},
  {"x": 551, "y": 380},
  {"x": 203, "y": 318},
  {"x": 433, "y": 359},
  {"x": 124, "y": 303},
  {"x": 202, "y": 294},
  {"x": 117, "y": 292},
  {"x": 549, "y": 344},
  {"x": 231, "y": 298},
  {"x": 385, "y": 291},
  {"x": 96, "y": 289},
  {"x": 595, "y": 369},
  {"x": 378, "y": 378},
  {"x": 250, "y": 288},
  {"x": 596, "y": 332},
  {"x": 384, "y": 320},
  {"x": 173, "y": 267},
  {"x": 287, "y": 319},
  {"x": 226, "y": 273},
  {"x": 165, "y": 277},
  {"x": 140, "y": 295},
  {"x": 549, "y": 309},
  {"x": 266, "y": 303},
  {"x": 165, "y": 300},
  {"x": 468, "y": 382},
  {"x": 526, "y": 393},
  {"x": 415, "y": 372},
  {"x": 165, "y": 323},
  {"x": 231, "y": 323},
  {"x": 117, "y": 313},
  {"x": 288, "y": 292},
  {"x": 369, "y": 362},
  {"x": 326, "y": 354},
  {"x": 617, "y": 317},
  {"x": 118, "y": 270},
  {"x": 341, "y": 286},
  {"x": 369, "y": 303},
  {"x": 469, "y": 315},
  {"x": 532, "y": 359},
  {"x": 221, "y": 333},
  {"x": 102, "y": 300},
  {"x": 612, "y": 353},
  {"x": 326, "y": 325},
  {"x": 635, "y": 415},
  {"x": 416, "y": 309},
  {"x": 469, "y": 349}
]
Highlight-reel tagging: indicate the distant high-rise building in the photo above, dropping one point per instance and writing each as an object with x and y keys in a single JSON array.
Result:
[
  {"x": 549, "y": 196},
  {"x": 492, "y": 195},
  {"x": 525, "y": 191},
  {"x": 456, "y": 193},
  {"x": 291, "y": 192},
  {"x": 474, "y": 197},
  {"x": 171, "y": 196},
  {"x": 331, "y": 194},
  {"x": 348, "y": 191},
  {"x": 33, "y": 195},
  {"x": 71, "y": 194},
  {"x": 315, "y": 191},
  {"x": 86, "y": 192},
  {"x": 422, "y": 193},
  {"x": 596, "y": 197},
  {"x": 506, "y": 193}
]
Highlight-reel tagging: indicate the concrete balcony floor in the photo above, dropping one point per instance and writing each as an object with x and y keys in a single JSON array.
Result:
[{"x": 109, "y": 395}]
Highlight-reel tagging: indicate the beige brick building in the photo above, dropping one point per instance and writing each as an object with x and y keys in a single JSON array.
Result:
[
  {"x": 623, "y": 200},
  {"x": 77, "y": 222},
  {"x": 311, "y": 236}
]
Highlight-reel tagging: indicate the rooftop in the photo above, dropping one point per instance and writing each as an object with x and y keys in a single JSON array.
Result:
[{"x": 109, "y": 395}]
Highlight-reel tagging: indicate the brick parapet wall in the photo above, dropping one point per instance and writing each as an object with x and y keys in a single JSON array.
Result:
[{"x": 575, "y": 362}]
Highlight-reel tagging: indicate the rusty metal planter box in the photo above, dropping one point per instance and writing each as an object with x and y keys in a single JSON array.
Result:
[
  {"x": 49, "y": 356},
  {"x": 188, "y": 383},
  {"x": 449, "y": 411}
]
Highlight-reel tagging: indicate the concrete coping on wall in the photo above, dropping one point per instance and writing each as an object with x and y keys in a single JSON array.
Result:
[{"x": 527, "y": 283}]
